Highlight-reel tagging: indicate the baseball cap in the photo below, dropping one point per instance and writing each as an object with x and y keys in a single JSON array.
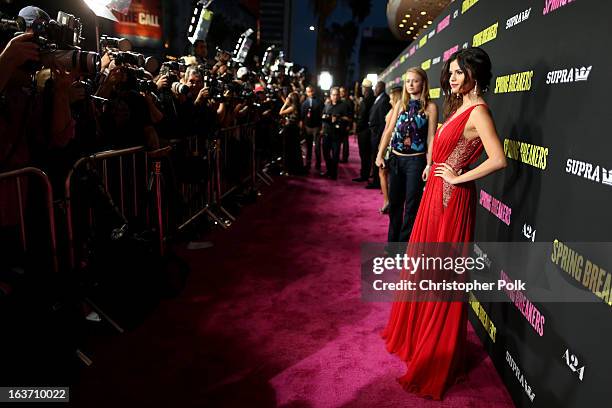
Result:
[
  {"x": 31, "y": 14},
  {"x": 258, "y": 88},
  {"x": 367, "y": 83}
]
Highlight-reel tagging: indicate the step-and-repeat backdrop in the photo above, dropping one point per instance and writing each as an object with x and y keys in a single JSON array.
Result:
[{"x": 551, "y": 99}]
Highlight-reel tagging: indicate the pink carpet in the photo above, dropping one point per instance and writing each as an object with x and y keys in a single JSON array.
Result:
[{"x": 272, "y": 316}]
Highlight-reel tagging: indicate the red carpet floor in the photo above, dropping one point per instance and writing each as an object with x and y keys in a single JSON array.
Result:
[{"x": 272, "y": 316}]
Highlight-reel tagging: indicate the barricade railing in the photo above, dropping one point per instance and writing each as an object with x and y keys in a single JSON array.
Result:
[
  {"x": 15, "y": 186},
  {"x": 117, "y": 178}
]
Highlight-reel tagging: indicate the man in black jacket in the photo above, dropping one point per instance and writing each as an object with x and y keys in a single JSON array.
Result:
[
  {"x": 363, "y": 131},
  {"x": 335, "y": 118},
  {"x": 312, "y": 109},
  {"x": 377, "y": 125}
]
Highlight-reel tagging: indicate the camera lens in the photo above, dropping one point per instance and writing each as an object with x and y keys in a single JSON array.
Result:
[
  {"x": 76, "y": 61},
  {"x": 179, "y": 88}
]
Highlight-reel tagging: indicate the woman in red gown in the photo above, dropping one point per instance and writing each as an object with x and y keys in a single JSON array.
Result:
[{"x": 431, "y": 336}]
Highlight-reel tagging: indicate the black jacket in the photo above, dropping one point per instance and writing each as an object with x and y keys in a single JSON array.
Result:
[
  {"x": 364, "y": 111},
  {"x": 379, "y": 112},
  {"x": 316, "y": 109}
]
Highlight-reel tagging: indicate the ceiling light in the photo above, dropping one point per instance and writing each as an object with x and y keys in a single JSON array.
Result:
[
  {"x": 429, "y": 22},
  {"x": 423, "y": 13},
  {"x": 414, "y": 23},
  {"x": 407, "y": 15},
  {"x": 401, "y": 25}
]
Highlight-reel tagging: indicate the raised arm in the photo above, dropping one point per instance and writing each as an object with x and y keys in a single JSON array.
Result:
[{"x": 496, "y": 160}]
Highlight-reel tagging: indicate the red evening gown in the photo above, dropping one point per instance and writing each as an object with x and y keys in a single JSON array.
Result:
[{"x": 430, "y": 336}]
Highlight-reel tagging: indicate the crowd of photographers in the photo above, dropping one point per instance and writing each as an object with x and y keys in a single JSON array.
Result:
[{"x": 61, "y": 101}]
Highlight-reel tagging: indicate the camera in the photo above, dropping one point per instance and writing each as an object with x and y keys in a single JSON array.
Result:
[
  {"x": 128, "y": 58},
  {"x": 65, "y": 33},
  {"x": 10, "y": 26},
  {"x": 172, "y": 69},
  {"x": 121, "y": 44},
  {"x": 59, "y": 44}
]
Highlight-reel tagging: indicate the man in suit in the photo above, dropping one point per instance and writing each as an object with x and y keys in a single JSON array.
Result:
[
  {"x": 312, "y": 109},
  {"x": 377, "y": 125},
  {"x": 363, "y": 131},
  {"x": 344, "y": 97}
]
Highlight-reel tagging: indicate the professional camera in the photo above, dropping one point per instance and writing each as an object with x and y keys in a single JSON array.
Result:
[
  {"x": 65, "y": 33},
  {"x": 59, "y": 44},
  {"x": 9, "y": 26},
  {"x": 173, "y": 69},
  {"x": 128, "y": 58},
  {"x": 120, "y": 44},
  {"x": 216, "y": 87},
  {"x": 328, "y": 119}
]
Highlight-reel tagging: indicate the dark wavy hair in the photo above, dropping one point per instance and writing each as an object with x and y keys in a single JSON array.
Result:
[{"x": 476, "y": 65}]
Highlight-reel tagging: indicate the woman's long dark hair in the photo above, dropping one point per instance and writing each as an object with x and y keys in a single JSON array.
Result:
[{"x": 476, "y": 65}]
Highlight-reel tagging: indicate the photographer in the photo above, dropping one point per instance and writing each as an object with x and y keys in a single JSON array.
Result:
[
  {"x": 126, "y": 119},
  {"x": 335, "y": 118},
  {"x": 32, "y": 122},
  {"x": 312, "y": 109},
  {"x": 197, "y": 110}
]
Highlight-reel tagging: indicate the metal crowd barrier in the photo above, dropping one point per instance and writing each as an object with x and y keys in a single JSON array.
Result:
[
  {"x": 132, "y": 178},
  {"x": 19, "y": 180}
]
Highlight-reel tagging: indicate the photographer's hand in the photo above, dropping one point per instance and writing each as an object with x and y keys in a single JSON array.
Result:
[
  {"x": 17, "y": 52},
  {"x": 203, "y": 96},
  {"x": 162, "y": 82}
]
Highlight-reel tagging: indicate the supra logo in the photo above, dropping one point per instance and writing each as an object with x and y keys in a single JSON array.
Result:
[
  {"x": 519, "y": 18},
  {"x": 529, "y": 232},
  {"x": 563, "y": 76},
  {"x": 519, "y": 376},
  {"x": 589, "y": 171}
]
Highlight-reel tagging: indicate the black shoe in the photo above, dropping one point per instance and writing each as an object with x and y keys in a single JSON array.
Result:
[
  {"x": 360, "y": 179},
  {"x": 372, "y": 186}
]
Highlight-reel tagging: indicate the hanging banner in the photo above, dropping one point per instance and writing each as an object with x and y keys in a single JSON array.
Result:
[{"x": 141, "y": 24}]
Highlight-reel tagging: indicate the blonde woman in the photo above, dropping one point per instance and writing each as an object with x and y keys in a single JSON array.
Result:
[
  {"x": 383, "y": 172},
  {"x": 411, "y": 138}
]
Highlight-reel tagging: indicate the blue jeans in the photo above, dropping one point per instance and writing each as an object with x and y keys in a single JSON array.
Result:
[{"x": 405, "y": 192}]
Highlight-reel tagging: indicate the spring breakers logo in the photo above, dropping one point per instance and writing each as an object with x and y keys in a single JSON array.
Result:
[
  {"x": 527, "y": 153},
  {"x": 495, "y": 207},
  {"x": 484, "y": 318},
  {"x": 486, "y": 35},
  {"x": 588, "y": 273},
  {"x": 517, "y": 82},
  {"x": 449, "y": 52},
  {"x": 552, "y": 5},
  {"x": 535, "y": 318},
  {"x": 467, "y": 4},
  {"x": 443, "y": 24},
  {"x": 519, "y": 376}
]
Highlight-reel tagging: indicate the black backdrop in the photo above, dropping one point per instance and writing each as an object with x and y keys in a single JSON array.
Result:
[{"x": 564, "y": 116}]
